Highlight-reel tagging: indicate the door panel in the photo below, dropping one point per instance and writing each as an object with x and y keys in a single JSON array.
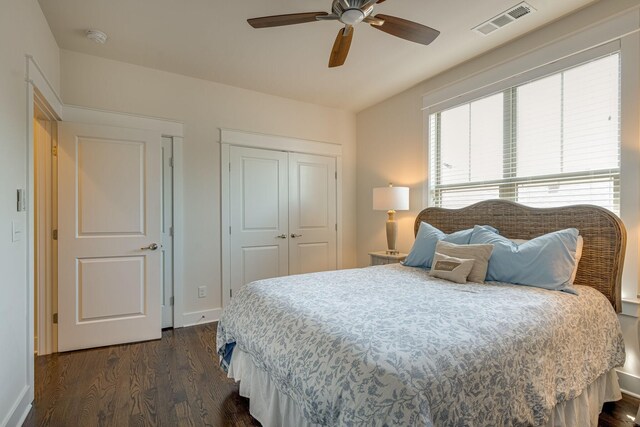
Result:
[
  {"x": 260, "y": 262},
  {"x": 314, "y": 257},
  {"x": 258, "y": 215},
  {"x": 98, "y": 187},
  {"x": 110, "y": 288},
  {"x": 261, "y": 197},
  {"x": 312, "y": 213},
  {"x": 109, "y": 209}
]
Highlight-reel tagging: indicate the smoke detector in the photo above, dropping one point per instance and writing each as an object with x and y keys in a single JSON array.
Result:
[
  {"x": 97, "y": 36},
  {"x": 505, "y": 18}
]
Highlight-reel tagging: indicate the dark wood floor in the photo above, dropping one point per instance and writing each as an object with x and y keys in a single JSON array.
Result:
[{"x": 172, "y": 382}]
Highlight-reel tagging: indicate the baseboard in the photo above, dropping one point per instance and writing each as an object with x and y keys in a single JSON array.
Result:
[
  {"x": 20, "y": 410},
  {"x": 629, "y": 383},
  {"x": 200, "y": 317}
]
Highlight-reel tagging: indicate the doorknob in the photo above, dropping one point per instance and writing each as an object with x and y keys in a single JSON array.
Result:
[
  {"x": 151, "y": 247},
  {"x": 295, "y": 235},
  {"x": 282, "y": 236}
]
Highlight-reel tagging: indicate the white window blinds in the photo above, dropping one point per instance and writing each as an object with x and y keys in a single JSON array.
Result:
[{"x": 549, "y": 142}]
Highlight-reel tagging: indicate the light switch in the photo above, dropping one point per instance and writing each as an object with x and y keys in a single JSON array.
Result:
[
  {"x": 22, "y": 200},
  {"x": 16, "y": 231}
]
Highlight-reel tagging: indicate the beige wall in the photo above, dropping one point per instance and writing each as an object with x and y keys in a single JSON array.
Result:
[
  {"x": 204, "y": 107},
  {"x": 390, "y": 134},
  {"x": 23, "y": 30},
  {"x": 391, "y": 148}
]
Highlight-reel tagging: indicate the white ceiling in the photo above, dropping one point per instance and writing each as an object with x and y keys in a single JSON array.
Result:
[{"x": 210, "y": 39}]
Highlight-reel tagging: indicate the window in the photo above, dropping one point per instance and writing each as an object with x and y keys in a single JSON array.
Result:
[{"x": 549, "y": 142}]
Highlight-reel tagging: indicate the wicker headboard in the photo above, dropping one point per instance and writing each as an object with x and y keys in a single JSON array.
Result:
[{"x": 604, "y": 234}]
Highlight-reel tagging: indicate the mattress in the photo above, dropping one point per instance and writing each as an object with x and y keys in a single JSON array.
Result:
[{"x": 391, "y": 345}]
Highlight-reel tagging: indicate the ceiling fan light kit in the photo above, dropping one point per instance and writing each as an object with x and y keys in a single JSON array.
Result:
[
  {"x": 352, "y": 17},
  {"x": 351, "y": 13}
]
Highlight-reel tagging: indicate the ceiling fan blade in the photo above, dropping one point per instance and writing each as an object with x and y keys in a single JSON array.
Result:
[
  {"x": 331, "y": 17},
  {"x": 380, "y": 1},
  {"x": 341, "y": 47},
  {"x": 280, "y": 20},
  {"x": 407, "y": 30},
  {"x": 373, "y": 20}
]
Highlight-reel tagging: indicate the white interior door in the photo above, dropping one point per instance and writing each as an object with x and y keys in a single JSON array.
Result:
[
  {"x": 258, "y": 215},
  {"x": 167, "y": 232},
  {"x": 109, "y": 211},
  {"x": 312, "y": 213}
]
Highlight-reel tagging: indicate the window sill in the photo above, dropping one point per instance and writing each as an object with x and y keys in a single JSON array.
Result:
[{"x": 631, "y": 307}]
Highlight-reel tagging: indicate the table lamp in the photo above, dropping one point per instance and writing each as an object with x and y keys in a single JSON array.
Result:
[{"x": 391, "y": 199}]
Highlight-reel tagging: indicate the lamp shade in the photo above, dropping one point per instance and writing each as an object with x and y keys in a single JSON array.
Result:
[{"x": 391, "y": 198}]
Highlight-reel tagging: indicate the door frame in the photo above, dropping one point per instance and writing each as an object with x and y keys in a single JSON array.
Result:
[
  {"x": 37, "y": 85},
  {"x": 46, "y": 295},
  {"x": 230, "y": 137},
  {"x": 167, "y": 170}
]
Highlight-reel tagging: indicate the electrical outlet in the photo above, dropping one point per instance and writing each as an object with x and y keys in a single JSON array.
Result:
[{"x": 202, "y": 291}]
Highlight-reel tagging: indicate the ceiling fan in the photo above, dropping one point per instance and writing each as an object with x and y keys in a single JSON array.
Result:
[{"x": 351, "y": 13}]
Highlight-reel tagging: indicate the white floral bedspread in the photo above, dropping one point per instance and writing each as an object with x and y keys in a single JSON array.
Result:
[{"x": 389, "y": 345}]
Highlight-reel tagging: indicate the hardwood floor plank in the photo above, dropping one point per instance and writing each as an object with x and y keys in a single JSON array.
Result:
[
  {"x": 169, "y": 395},
  {"x": 175, "y": 381}
]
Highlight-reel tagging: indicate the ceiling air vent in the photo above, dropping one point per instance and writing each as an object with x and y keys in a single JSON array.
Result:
[{"x": 504, "y": 19}]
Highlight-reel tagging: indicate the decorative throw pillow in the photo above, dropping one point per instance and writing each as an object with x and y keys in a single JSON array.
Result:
[
  {"x": 421, "y": 254},
  {"x": 451, "y": 268},
  {"x": 548, "y": 261},
  {"x": 479, "y": 253}
]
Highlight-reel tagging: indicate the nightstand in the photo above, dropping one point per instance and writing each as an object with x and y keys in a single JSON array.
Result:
[{"x": 382, "y": 257}]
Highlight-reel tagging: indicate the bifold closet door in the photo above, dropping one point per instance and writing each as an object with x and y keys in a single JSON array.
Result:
[
  {"x": 312, "y": 213},
  {"x": 258, "y": 215}
]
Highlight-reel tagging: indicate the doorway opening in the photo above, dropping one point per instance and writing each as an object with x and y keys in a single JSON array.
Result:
[
  {"x": 45, "y": 293},
  {"x": 167, "y": 233}
]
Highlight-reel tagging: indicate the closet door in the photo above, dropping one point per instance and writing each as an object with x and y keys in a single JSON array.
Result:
[
  {"x": 312, "y": 213},
  {"x": 258, "y": 215}
]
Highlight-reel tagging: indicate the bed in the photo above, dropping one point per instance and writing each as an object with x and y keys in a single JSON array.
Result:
[{"x": 391, "y": 345}]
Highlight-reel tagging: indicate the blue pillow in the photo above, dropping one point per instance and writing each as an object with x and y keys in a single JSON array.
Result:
[
  {"x": 424, "y": 248},
  {"x": 545, "y": 262}
]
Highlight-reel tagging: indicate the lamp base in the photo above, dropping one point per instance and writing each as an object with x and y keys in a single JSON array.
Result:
[{"x": 392, "y": 233}]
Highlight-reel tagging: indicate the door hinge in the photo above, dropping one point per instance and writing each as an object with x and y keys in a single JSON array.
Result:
[
  {"x": 229, "y": 167},
  {"x": 54, "y": 150},
  {"x": 336, "y": 227},
  {"x": 231, "y": 293},
  {"x": 170, "y": 161},
  {"x": 171, "y": 231},
  {"x": 54, "y": 234},
  {"x": 55, "y": 318},
  {"x": 336, "y": 174},
  {"x": 229, "y": 229},
  {"x": 171, "y": 300}
]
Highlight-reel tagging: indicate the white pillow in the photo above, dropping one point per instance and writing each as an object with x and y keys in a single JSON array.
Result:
[
  {"x": 479, "y": 252},
  {"x": 578, "y": 256}
]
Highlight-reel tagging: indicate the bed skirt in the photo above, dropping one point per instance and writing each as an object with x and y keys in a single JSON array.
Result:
[{"x": 274, "y": 409}]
